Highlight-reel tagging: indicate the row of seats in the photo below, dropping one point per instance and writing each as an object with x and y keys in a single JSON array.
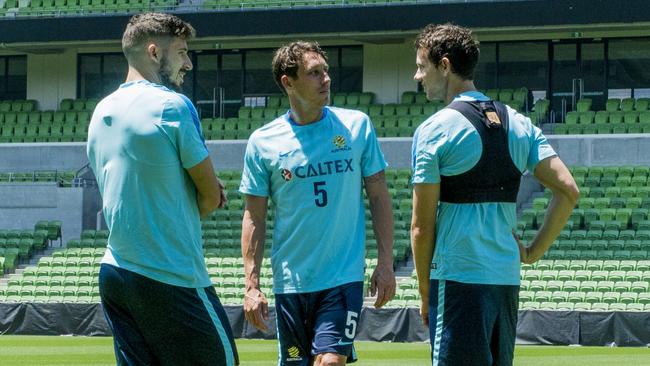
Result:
[
  {"x": 612, "y": 188},
  {"x": 66, "y": 104},
  {"x": 592, "y": 265},
  {"x": 603, "y": 118},
  {"x": 617, "y": 247},
  {"x": 616, "y": 104},
  {"x": 45, "y": 117},
  {"x": 603, "y": 254},
  {"x": 636, "y": 274},
  {"x": 582, "y": 306},
  {"x": 45, "y": 132},
  {"x": 610, "y": 171},
  {"x": 54, "y": 7},
  {"x": 626, "y": 220},
  {"x": 599, "y": 129},
  {"x": 18, "y": 105},
  {"x": 638, "y": 286},
  {"x": 63, "y": 179}
]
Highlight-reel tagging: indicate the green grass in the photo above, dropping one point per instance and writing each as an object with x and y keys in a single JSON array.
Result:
[{"x": 96, "y": 351}]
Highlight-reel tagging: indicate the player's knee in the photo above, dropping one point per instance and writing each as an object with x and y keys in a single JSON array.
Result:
[{"x": 330, "y": 359}]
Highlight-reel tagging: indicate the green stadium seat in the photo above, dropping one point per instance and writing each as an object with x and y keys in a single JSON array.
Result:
[
  {"x": 627, "y": 104},
  {"x": 584, "y": 105},
  {"x": 634, "y": 307}
]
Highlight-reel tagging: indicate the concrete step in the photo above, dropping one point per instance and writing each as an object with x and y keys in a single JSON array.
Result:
[
  {"x": 20, "y": 268},
  {"x": 405, "y": 269}
]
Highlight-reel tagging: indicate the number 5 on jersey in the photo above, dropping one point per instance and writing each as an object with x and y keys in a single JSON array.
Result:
[{"x": 320, "y": 193}]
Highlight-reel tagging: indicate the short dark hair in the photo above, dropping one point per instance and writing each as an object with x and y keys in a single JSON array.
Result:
[
  {"x": 451, "y": 41},
  {"x": 143, "y": 27},
  {"x": 288, "y": 58}
]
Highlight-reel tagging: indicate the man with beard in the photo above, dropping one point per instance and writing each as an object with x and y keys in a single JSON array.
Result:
[{"x": 156, "y": 180}]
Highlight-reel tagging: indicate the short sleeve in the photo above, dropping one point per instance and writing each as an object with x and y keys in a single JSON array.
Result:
[
  {"x": 425, "y": 159},
  {"x": 255, "y": 178},
  {"x": 372, "y": 158},
  {"x": 180, "y": 121},
  {"x": 540, "y": 149}
]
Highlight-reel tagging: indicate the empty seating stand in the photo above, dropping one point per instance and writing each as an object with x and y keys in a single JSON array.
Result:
[
  {"x": 601, "y": 260},
  {"x": 620, "y": 116}
]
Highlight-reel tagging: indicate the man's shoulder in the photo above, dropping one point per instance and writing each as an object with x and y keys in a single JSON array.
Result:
[
  {"x": 439, "y": 121},
  {"x": 275, "y": 128},
  {"x": 347, "y": 116}
]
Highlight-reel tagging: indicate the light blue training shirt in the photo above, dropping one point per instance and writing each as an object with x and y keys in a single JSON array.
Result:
[
  {"x": 141, "y": 140},
  {"x": 313, "y": 174},
  {"x": 474, "y": 242}
]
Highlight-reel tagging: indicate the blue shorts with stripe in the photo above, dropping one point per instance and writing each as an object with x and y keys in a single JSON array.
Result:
[
  {"x": 318, "y": 322},
  {"x": 472, "y": 324},
  {"x": 154, "y": 323}
]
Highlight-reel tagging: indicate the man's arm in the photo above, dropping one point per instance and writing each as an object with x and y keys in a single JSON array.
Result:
[
  {"x": 210, "y": 195},
  {"x": 554, "y": 175},
  {"x": 423, "y": 238},
  {"x": 252, "y": 246},
  {"x": 382, "y": 282}
]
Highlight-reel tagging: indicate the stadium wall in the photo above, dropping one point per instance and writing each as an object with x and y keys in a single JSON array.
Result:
[
  {"x": 584, "y": 150},
  {"x": 51, "y": 78},
  {"x": 23, "y": 204},
  {"x": 388, "y": 70},
  {"x": 628, "y": 329}
]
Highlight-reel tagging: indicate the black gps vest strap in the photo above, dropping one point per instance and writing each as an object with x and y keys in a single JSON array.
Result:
[{"x": 495, "y": 178}]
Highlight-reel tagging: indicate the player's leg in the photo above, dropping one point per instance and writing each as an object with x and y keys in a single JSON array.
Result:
[
  {"x": 461, "y": 320},
  {"x": 335, "y": 327},
  {"x": 187, "y": 326},
  {"x": 115, "y": 292},
  {"x": 294, "y": 330},
  {"x": 505, "y": 330},
  {"x": 176, "y": 325}
]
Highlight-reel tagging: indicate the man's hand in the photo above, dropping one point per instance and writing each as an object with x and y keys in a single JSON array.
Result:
[
  {"x": 224, "y": 199},
  {"x": 256, "y": 309},
  {"x": 524, "y": 251},
  {"x": 382, "y": 284},
  {"x": 424, "y": 310}
]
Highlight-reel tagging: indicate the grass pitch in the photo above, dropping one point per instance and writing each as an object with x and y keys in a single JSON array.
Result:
[{"x": 98, "y": 351}]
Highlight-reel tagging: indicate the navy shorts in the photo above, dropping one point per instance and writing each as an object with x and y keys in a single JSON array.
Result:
[
  {"x": 318, "y": 322},
  {"x": 472, "y": 324},
  {"x": 154, "y": 323}
]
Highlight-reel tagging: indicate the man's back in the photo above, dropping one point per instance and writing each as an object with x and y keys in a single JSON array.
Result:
[
  {"x": 474, "y": 240},
  {"x": 141, "y": 139}
]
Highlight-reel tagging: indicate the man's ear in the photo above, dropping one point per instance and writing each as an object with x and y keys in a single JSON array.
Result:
[
  {"x": 154, "y": 52},
  {"x": 445, "y": 64},
  {"x": 286, "y": 81}
]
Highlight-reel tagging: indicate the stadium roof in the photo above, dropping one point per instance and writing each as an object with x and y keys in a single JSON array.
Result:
[{"x": 501, "y": 19}]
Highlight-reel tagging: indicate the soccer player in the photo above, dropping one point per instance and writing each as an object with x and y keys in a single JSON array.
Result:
[
  {"x": 312, "y": 162},
  {"x": 156, "y": 181},
  {"x": 467, "y": 163}
]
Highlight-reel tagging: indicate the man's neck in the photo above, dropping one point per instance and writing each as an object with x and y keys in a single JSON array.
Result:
[
  {"x": 304, "y": 116},
  {"x": 135, "y": 75},
  {"x": 462, "y": 86}
]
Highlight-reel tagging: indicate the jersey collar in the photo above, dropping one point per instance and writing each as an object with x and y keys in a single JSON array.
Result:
[{"x": 470, "y": 96}]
